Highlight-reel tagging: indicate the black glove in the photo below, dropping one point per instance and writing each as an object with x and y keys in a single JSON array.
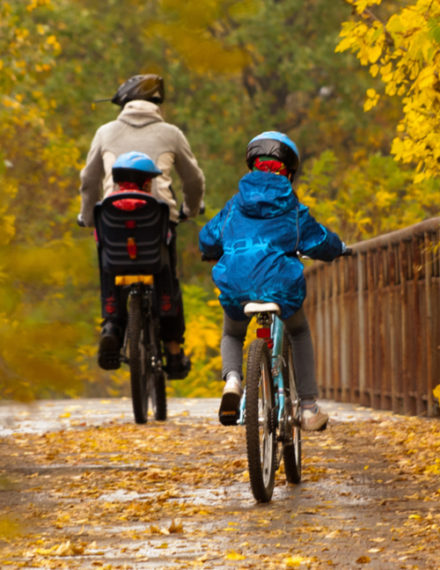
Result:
[
  {"x": 206, "y": 258},
  {"x": 182, "y": 215}
]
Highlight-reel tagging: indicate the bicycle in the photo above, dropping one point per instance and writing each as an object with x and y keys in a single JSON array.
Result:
[
  {"x": 132, "y": 250},
  {"x": 270, "y": 406},
  {"x": 141, "y": 349}
]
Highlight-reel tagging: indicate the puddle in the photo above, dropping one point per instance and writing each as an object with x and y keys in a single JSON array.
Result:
[
  {"x": 52, "y": 415},
  {"x": 120, "y": 496}
]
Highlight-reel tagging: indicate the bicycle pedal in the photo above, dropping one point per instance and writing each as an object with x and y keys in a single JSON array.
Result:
[
  {"x": 228, "y": 418},
  {"x": 109, "y": 362},
  {"x": 229, "y": 409}
]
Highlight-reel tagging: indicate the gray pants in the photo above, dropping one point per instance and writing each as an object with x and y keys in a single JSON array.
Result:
[{"x": 234, "y": 333}]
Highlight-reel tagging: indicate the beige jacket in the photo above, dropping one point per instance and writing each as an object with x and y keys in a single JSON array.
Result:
[{"x": 140, "y": 127}]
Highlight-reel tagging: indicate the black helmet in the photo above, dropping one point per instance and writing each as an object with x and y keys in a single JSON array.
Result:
[
  {"x": 146, "y": 87},
  {"x": 274, "y": 144}
]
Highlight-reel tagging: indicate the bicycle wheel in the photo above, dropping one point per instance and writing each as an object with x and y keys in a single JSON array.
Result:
[
  {"x": 292, "y": 435},
  {"x": 260, "y": 422},
  {"x": 156, "y": 389},
  {"x": 137, "y": 359}
]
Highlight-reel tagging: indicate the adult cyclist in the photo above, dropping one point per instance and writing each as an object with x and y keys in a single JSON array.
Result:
[{"x": 140, "y": 127}]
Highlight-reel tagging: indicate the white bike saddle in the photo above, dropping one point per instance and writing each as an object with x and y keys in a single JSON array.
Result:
[{"x": 259, "y": 307}]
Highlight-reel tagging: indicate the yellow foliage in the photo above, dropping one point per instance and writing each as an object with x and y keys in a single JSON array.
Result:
[
  {"x": 405, "y": 51},
  {"x": 373, "y": 98},
  {"x": 33, "y": 4},
  {"x": 202, "y": 329},
  {"x": 198, "y": 35},
  {"x": 32, "y": 357}
]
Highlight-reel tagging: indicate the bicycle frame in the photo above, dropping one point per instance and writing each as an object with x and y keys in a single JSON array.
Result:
[{"x": 271, "y": 329}]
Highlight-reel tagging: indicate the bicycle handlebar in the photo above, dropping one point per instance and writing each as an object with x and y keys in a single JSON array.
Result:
[
  {"x": 206, "y": 258},
  {"x": 348, "y": 251}
]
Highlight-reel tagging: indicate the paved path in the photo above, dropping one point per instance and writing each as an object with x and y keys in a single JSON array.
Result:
[
  {"x": 91, "y": 489},
  {"x": 50, "y": 415}
]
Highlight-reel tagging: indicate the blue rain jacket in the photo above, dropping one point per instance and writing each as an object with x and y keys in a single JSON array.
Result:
[{"x": 257, "y": 237}]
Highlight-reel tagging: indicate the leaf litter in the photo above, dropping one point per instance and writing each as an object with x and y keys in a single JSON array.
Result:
[{"x": 177, "y": 495}]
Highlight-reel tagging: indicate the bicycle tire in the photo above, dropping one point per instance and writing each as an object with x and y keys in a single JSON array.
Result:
[
  {"x": 159, "y": 400},
  {"x": 156, "y": 380},
  {"x": 137, "y": 359},
  {"x": 260, "y": 420},
  {"x": 292, "y": 444},
  {"x": 156, "y": 385}
]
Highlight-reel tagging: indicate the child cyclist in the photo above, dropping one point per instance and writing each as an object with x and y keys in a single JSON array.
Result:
[
  {"x": 256, "y": 239},
  {"x": 134, "y": 172}
]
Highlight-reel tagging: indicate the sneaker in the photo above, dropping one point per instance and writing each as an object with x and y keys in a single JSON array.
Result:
[
  {"x": 312, "y": 418},
  {"x": 178, "y": 366},
  {"x": 109, "y": 357},
  {"x": 229, "y": 411}
]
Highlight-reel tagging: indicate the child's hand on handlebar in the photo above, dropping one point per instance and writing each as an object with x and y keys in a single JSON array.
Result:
[{"x": 346, "y": 250}]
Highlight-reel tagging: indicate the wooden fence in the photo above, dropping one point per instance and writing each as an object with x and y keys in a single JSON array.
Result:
[{"x": 375, "y": 320}]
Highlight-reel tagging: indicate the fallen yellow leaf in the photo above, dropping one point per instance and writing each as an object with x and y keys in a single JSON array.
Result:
[
  {"x": 293, "y": 561},
  {"x": 175, "y": 527},
  {"x": 234, "y": 556}
]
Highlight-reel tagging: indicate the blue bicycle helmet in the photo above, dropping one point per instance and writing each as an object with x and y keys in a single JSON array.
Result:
[
  {"x": 134, "y": 167},
  {"x": 276, "y": 145}
]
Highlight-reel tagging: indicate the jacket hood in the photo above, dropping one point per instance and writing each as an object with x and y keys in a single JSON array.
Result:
[
  {"x": 265, "y": 195},
  {"x": 140, "y": 113}
]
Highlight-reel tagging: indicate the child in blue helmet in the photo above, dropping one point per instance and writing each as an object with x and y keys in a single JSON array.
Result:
[
  {"x": 256, "y": 239},
  {"x": 134, "y": 172}
]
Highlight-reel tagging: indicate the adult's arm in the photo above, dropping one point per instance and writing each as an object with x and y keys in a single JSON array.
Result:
[
  {"x": 191, "y": 175},
  {"x": 91, "y": 177}
]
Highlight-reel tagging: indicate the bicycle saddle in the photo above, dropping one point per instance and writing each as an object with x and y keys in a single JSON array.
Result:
[{"x": 255, "y": 307}]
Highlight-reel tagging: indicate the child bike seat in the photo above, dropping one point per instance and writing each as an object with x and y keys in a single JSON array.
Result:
[
  {"x": 132, "y": 242},
  {"x": 255, "y": 307}
]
